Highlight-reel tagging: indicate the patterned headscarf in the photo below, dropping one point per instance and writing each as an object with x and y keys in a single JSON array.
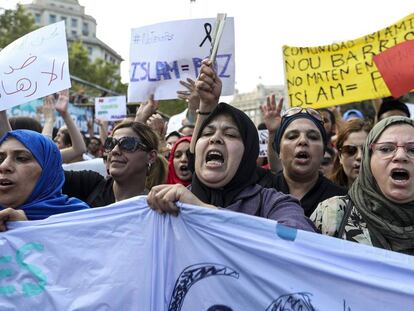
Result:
[{"x": 391, "y": 225}]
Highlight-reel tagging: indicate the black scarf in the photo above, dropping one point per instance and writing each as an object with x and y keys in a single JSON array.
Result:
[{"x": 246, "y": 173}]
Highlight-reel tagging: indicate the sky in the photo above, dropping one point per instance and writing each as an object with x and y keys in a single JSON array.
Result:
[{"x": 262, "y": 27}]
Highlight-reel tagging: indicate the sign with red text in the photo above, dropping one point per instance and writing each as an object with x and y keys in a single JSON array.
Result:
[
  {"x": 34, "y": 66},
  {"x": 163, "y": 54}
]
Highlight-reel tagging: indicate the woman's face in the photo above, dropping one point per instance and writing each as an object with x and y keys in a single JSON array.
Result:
[
  {"x": 395, "y": 174},
  {"x": 301, "y": 149},
  {"x": 218, "y": 151},
  {"x": 126, "y": 165},
  {"x": 350, "y": 154},
  {"x": 60, "y": 139},
  {"x": 181, "y": 161},
  {"x": 19, "y": 173}
]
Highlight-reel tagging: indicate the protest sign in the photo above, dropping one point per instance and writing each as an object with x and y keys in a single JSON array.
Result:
[
  {"x": 110, "y": 108},
  {"x": 342, "y": 72},
  {"x": 263, "y": 140},
  {"x": 396, "y": 66},
  {"x": 34, "y": 66},
  {"x": 128, "y": 257},
  {"x": 163, "y": 54}
]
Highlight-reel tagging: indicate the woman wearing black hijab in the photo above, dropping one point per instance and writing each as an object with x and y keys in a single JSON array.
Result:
[{"x": 226, "y": 149}]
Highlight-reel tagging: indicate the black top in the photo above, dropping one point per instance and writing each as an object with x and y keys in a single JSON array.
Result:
[
  {"x": 322, "y": 190},
  {"x": 89, "y": 186}
]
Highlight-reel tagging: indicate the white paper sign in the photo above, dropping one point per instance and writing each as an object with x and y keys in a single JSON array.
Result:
[
  {"x": 110, "y": 108},
  {"x": 163, "y": 54},
  {"x": 263, "y": 140},
  {"x": 34, "y": 66}
]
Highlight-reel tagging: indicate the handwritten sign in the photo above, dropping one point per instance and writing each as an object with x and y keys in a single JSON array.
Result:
[
  {"x": 263, "y": 140},
  {"x": 396, "y": 66},
  {"x": 342, "y": 72},
  {"x": 110, "y": 108},
  {"x": 137, "y": 259},
  {"x": 163, "y": 54},
  {"x": 34, "y": 66}
]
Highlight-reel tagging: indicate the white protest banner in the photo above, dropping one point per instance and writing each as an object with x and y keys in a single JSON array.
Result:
[
  {"x": 110, "y": 108},
  {"x": 34, "y": 66},
  {"x": 163, "y": 54},
  {"x": 263, "y": 139},
  {"x": 128, "y": 257}
]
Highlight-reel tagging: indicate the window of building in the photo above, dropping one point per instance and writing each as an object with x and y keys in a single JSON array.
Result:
[
  {"x": 85, "y": 29},
  {"x": 74, "y": 22},
  {"x": 52, "y": 18},
  {"x": 38, "y": 18},
  {"x": 74, "y": 33},
  {"x": 90, "y": 50}
]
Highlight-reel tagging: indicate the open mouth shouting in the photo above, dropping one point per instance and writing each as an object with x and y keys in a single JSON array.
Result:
[
  {"x": 214, "y": 158},
  {"x": 400, "y": 176},
  {"x": 302, "y": 157}
]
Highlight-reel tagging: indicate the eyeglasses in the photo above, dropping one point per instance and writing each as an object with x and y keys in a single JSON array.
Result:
[
  {"x": 127, "y": 144},
  {"x": 389, "y": 149},
  {"x": 350, "y": 150},
  {"x": 295, "y": 110}
]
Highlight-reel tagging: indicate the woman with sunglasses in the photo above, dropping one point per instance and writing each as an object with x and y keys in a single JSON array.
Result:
[
  {"x": 226, "y": 147},
  {"x": 379, "y": 207},
  {"x": 347, "y": 163},
  {"x": 131, "y": 152},
  {"x": 300, "y": 142}
]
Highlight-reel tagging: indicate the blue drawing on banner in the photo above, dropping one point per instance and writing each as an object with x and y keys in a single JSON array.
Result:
[
  {"x": 192, "y": 274},
  {"x": 29, "y": 289}
]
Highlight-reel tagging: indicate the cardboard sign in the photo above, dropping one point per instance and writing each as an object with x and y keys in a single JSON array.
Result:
[
  {"x": 396, "y": 66},
  {"x": 163, "y": 54},
  {"x": 34, "y": 66},
  {"x": 343, "y": 72},
  {"x": 110, "y": 108}
]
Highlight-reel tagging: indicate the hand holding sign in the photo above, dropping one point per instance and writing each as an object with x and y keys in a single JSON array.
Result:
[{"x": 208, "y": 87}]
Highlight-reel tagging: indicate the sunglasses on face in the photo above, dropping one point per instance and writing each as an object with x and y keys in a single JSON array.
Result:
[
  {"x": 389, "y": 149},
  {"x": 350, "y": 150},
  {"x": 295, "y": 110},
  {"x": 127, "y": 144}
]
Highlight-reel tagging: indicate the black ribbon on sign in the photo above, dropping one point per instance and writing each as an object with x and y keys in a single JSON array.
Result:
[{"x": 207, "y": 28}]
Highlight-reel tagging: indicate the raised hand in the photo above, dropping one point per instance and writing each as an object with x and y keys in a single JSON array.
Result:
[
  {"x": 146, "y": 109},
  {"x": 272, "y": 113}
]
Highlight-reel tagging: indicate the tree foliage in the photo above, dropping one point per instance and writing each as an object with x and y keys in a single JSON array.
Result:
[
  {"x": 100, "y": 72},
  {"x": 15, "y": 24}
]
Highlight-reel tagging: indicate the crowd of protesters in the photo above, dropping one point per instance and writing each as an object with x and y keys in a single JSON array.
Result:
[{"x": 333, "y": 174}]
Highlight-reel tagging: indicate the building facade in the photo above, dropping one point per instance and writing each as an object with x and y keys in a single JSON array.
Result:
[
  {"x": 250, "y": 102},
  {"x": 79, "y": 26}
]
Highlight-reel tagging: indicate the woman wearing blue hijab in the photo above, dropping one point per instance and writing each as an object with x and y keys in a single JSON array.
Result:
[{"x": 31, "y": 177}]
